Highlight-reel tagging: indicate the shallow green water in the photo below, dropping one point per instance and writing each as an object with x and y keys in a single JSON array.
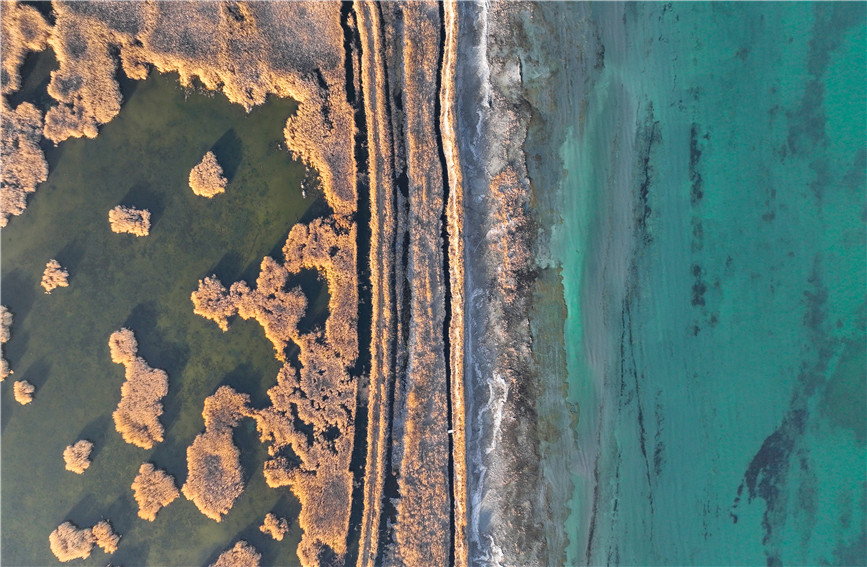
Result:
[
  {"x": 713, "y": 259},
  {"x": 59, "y": 341}
]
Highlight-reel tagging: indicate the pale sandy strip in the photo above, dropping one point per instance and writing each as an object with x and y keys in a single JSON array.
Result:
[{"x": 455, "y": 219}]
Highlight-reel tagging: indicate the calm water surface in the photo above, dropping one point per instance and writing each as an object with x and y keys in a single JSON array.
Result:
[
  {"x": 59, "y": 341},
  {"x": 713, "y": 253}
]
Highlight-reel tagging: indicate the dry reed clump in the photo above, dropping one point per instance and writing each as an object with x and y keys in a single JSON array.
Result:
[
  {"x": 225, "y": 408},
  {"x": 274, "y": 526},
  {"x": 84, "y": 84},
  {"x": 206, "y": 178},
  {"x": 328, "y": 245},
  {"x": 277, "y": 310},
  {"x": 105, "y": 537},
  {"x": 122, "y": 346},
  {"x": 5, "y": 324},
  {"x": 54, "y": 276},
  {"x": 137, "y": 415},
  {"x": 241, "y": 555},
  {"x": 215, "y": 478},
  {"x": 23, "y": 30},
  {"x": 68, "y": 542},
  {"x": 129, "y": 220},
  {"x": 23, "y": 391},
  {"x": 212, "y": 301},
  {"x": 246, "y": 50},
  {"x": 153, "y": 489},
  {"x": 5, "y": 335},
  {"x": 77, "y": 456},
  {"x": 24, "y": 165},
  {"x": 322, "y": 393}
]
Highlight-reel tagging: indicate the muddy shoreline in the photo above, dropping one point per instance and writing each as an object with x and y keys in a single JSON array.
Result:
[{"x": 520, "y": 449}]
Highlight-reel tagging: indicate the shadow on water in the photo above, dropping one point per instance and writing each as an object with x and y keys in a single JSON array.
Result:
[
  {"x": 171, "y": 456},
  {"x": 7, "y": 408},
  {"x": 43, "y": 8},
  {"x": 85, "y": 512},
  {"x": 70, "y": 256},
  {"x": 159, "y": 353},
  {"x": 38, "y": 374},
  {"x": 95, "y": 432},
  {"x": 52, "y": 152},
  {"x": 129, "y": 555},
  {"x": 127, "y": 85},
  {"x": 228, "y": 269},
  {"x": 243, "y": 379},
  {"x": 319, "y": 208},
  {"x": 35, "y": 75},
  {"x": 246, "y": 438},
  {"x": 229, "y": 151},
  {"x": 123, "y": 515},
  {"x": 18, "y": 293},
  {"x": 141, "y": 196},
  {"x": 314, "y": 286},
  {"x": 250, "y": 272},
  {"x": 287, "y": 507}
]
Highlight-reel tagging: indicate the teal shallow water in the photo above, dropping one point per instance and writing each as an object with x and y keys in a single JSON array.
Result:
[
  {"x": 59, "y": 341},
  {"x": 713, "y": 261}
]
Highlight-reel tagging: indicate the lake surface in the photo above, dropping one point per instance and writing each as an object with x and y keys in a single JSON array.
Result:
[
  {"x": 60, "y": 341},
  {"x": 713, "y": 260}
]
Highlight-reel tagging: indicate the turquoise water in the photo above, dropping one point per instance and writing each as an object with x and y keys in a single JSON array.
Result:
[
  {"x": 60, "y": 341},
  {"x": 713, "y": 261}
]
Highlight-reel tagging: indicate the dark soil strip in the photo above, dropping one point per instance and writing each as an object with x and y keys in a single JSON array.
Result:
[
  {"x": 361, "y": 371},
  {"x": 447, "y": 320}
]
